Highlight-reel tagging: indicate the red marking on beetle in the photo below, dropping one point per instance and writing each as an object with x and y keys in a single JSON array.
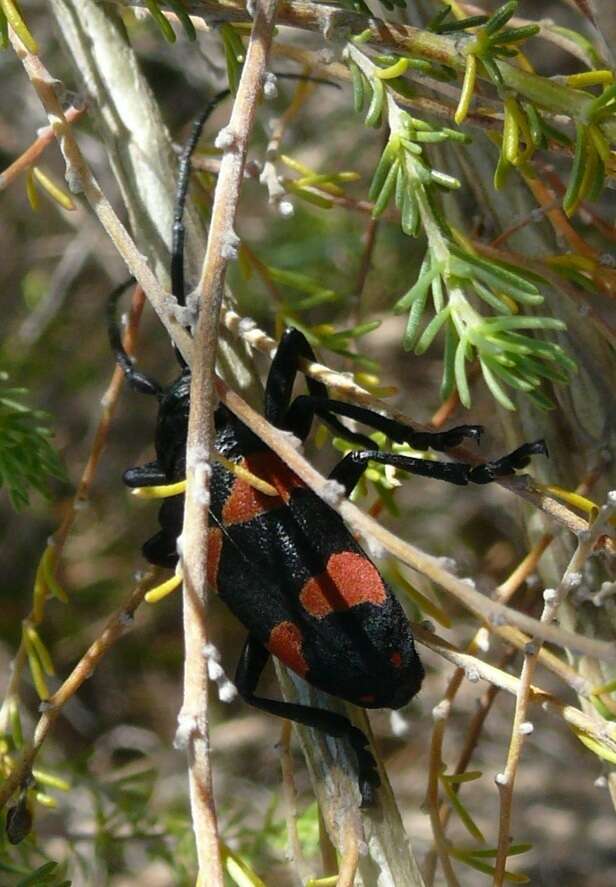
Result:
[
  {"x": 349, "y": 579},
  {"x": 285, "y": 642},
  {"x": 244, "y": 503},
  {"x": 214, "y": 548},
  {"x": 272, "y": 469},
  {"x": 367, "y": 698},
  {"x": 396, "y": 659}
]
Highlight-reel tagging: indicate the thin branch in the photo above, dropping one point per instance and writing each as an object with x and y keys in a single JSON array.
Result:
[
  {"x": 221, "y": 247},
  {"x": 115, "y": 627},
  {"x": 504, "y": 592},
  {"x": 80, "y": 498},
  {"x": 80, "y": 180},
  {"x": 289, "y": 804},
  {"x": 45, "y": 137},
  {"x": 336, "y": 24},
  {"x": 548, "y": 31},
  {"x": 552, "y": 601},
  {"x": 602, "y": 732}
]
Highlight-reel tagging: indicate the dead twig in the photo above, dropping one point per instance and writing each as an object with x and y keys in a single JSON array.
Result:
[
  {"x": 114, "y": 629},
  {"x": 222, "y": 246},
  {"x": 45, "y": 137},
  {"x": 553, "y": 597}
]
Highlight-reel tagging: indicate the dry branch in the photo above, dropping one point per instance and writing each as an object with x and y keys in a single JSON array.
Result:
[{"x": 221, "y": 247}]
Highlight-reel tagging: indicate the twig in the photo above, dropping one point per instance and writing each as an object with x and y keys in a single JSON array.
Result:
[
  {"x": 338, "y": 23},
  {"x": 221, "y": 247},
  {"x": 364, "y": 268},
  {"x": 80, "y": 498},
  {"x": 602, "y": 732},
  {"x": 114, "y": 629},
  {"x": 329, "y": 859},
  {"x": 471, "y": 665},
  {"x": 80, "y": 180},
  {"x": 289, "y": 801},
  {"x": 42, "y": 315},
  {"x": 552, "y": 601},
  {"x": 269, "y": 175},
  {"x": 504, "y": 592},
  {"x": 349, "y": 859},
  {"x": 45, "y": 137},
  {"x": 109, "y": 403}
]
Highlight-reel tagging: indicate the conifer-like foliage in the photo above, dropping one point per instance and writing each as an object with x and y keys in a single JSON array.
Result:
[{"x": 424, "y": 189}]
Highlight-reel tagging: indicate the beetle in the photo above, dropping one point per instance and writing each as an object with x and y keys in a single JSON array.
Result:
[{"x": 286, "y": 565}]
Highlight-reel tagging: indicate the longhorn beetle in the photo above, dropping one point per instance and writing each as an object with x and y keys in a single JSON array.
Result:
[{"x": 286, "y": 564}]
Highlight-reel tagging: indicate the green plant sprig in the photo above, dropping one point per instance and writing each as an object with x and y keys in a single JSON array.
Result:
[
  {"x": 10, "y": 16},
  {"x": 507, "y": 355},
  {"x": 456, "y": 278},
  {"x": 592, "y": 152},
  {"x": 27, "y": 458},
  {"x": 163, "y": 22},
  {"x": 363, "y": 8},
  {"x": 403, "y": 171},
  {"x": 490, "y": 42},
  {"x": 234, "y": 54}
]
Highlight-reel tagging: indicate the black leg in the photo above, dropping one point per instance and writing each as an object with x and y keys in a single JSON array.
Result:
[
  {"x": 305, "y": 407},
  {"x": 139, "y": 381},
  {"x": 161, "y": 550},
  {"x": 252, "y": 662},
  {"x": 297, "y": 416},
  {"x": 279, "y": 389},
  {"x": 350, "y": 469},
  {"x": 292, "y": 347},
  {"x": 149, "y": 475}
]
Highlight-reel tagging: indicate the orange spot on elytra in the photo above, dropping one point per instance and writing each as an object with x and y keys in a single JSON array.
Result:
[
  {"x": 272, "y": 469},
  {"x": 396, "y": 659},
  {"x": 214, "y": 548},
  {"x": 285, "y": 642},
  {"x": 244, "y": 503},
  {"x": 349, "y": 579}
]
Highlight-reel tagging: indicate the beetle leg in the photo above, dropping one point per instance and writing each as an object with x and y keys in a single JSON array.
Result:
[
  {"x": 324, "y": 407},
  {"x": 297, "y": 416},
  {"x": 161, "y": 550},
  {"x": 252, "y": 662},
  {"x": 349, "y": 470},
  {"x": 292, "y": 347},
  {"x": 279, "y": 388},
  {"x": 148, "y": 475}
]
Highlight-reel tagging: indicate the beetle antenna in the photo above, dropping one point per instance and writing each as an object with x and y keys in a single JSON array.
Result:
[
  {"x": 140, "y": 382},
  {"x": 184, "y": 168},
  {"x": 181, "y": 193}
]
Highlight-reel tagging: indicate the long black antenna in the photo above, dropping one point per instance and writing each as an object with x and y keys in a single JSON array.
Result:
[
  {"x": 184, "y": 169},
  {"x": 139, "y": 381}
]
